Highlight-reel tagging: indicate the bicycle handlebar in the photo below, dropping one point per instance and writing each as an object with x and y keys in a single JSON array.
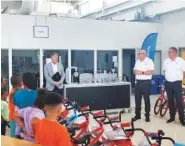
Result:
[{"x": 159, "y": 139}]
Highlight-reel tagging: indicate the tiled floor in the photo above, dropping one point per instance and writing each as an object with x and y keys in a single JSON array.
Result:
[{"x": 174, "y": 130}]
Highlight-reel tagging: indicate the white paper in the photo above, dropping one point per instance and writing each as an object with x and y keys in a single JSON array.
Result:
[
  {"x": 115, "y": 64},
  {"x": 114, "y": 58}
]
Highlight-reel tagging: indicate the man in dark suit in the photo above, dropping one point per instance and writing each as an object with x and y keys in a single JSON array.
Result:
[{"x": 54, "y": 75}]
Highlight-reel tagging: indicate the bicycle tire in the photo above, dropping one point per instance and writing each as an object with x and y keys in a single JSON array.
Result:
[
  {"x": 164, "y": 110},
  {"x": 156, "y": 110}
]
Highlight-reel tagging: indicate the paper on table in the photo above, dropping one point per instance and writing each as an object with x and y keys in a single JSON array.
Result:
[
  {"x": 115, "y": 64},
  {"x": 114, "y": 58}
]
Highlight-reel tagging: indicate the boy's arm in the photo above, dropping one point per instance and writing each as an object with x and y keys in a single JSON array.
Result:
[{"x": 64, "y": 138}]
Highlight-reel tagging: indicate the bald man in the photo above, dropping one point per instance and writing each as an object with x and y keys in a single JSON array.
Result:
[{"x": 143, "y": 70}]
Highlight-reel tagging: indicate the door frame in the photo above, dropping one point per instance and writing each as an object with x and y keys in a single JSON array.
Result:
[{"x": 135, "y": 49}]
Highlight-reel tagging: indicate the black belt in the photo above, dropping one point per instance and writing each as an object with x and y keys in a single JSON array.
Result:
[{"x": 143, "y": 80}]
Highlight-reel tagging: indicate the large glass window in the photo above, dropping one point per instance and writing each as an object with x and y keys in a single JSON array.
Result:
[
  {"x": 5, "y": 66},
  {"x": 84, "y": 61},
  {"x": 26, "y": 61},
  {"x": 107, "y": 61},
  {"x": 63, "y": 56},
  {"x": 63, "y": 59},
  {"x": 107, "y": 66}
]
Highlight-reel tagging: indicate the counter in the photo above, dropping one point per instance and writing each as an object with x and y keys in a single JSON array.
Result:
[{"x": 100, "y": 95}]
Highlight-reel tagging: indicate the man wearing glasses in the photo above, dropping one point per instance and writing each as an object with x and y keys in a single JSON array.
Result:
[
  {"x": 174, "y": 68},
  {"x": 144, "y": 68}
]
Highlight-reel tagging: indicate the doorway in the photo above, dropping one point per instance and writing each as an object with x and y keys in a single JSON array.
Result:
[{"x": 128, "y": 59}]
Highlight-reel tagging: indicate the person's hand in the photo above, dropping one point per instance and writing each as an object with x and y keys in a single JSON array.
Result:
[{"x": 58, "y": 84}]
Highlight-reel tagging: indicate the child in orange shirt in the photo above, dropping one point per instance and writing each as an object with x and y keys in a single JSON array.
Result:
[
  {"x": 48, "y": 131},
  {"x": 16, "y": 85}
]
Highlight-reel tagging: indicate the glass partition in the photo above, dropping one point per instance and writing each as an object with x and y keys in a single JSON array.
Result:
[
  {"x": 84, "y": 61},
  {"x": 63, "y": 59},
  {"x": 5, "y": 66},
  {"x": 26, "y": 61},
  {"x": 107, "y": 66},
  {"x": 63, "y": 56},
  {"x": 107, "y": 61}
]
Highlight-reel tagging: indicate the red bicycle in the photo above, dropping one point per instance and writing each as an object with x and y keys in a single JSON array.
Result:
[
  {"x": 159, "y": 102},
  {"x": 165, "y": 106}
]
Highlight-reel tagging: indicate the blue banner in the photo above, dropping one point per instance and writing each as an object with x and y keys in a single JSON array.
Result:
[{"x": 149, "y": 45}]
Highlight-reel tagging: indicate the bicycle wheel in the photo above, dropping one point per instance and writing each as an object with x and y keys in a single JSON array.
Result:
[
  {"x": 157, "y": 106},
  {"x": 164, "y": 108}
]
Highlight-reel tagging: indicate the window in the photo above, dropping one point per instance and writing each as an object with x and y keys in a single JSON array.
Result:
[
  {"x": 107, "y": 61},
  {"x": 84, "y": 60},
  {"x": 26, "y": 61},
  {"x": 5, "y": 66},
  {"x": 62, "y": 54}
]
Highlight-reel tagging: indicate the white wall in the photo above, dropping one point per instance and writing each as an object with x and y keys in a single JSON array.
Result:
[
  {"x": 173, "y": 31},
  {"x": 17, "y": 32}
]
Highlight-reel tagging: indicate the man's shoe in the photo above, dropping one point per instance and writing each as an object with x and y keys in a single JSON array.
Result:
[
  {"x": 170, "y": 120},
  {"x": 136, "y": 118},
  {"x": 182, "y": 123},
  {"x": 147, "y": 119}
]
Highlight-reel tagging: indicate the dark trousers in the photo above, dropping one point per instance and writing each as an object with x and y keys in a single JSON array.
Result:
[
  {"x": 3, "y": 127},
  {"x": 174, "y": 93},
  {"x": 59, "y": 91},
  {"x": 142, "y": 89}
]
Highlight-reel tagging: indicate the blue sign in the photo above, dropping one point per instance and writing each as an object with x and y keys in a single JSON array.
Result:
[{"x": 149, "y": 45}]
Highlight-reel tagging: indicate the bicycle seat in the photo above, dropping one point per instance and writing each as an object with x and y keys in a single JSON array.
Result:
[{"x": 84, "y": 140}]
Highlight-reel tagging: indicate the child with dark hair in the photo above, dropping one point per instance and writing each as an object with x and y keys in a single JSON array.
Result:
[
  {"x": 48, "y": 131},
  {"x": 4, "y": 110},
  {"x": 31, "y": 116},
  {"x": 25, "y": 97},
  {"x": 16, "y": 85}
]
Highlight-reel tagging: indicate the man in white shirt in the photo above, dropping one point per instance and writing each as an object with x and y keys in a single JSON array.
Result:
[
  {"x": 174, "y": 68},
  {"x": 144, "y": 68},
  {"x": 54, "y": 69}
]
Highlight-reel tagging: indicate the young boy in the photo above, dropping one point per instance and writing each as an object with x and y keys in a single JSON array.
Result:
[
  {"x": 25, "y": 97},
  {"x": 4, "y": 110},
  {"x": 16, "y": 85},
  {"x": 31, "y": 116},
  {"x": 48, "y": 131}
]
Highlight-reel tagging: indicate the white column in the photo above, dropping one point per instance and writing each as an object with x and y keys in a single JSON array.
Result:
[
  {"x": 41, "y": 67},
  {"x": 69, "y": 64},
  {"x": 10, "y": 65},
  {"x": 120, "y": 68},
  {"x": 95, "y": 65}
]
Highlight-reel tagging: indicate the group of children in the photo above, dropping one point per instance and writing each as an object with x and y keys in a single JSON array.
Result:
[{"x": 32, "y": 113}]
